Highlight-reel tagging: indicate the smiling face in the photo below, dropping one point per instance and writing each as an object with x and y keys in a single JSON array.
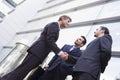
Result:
[{"x": 79, "y": 42}]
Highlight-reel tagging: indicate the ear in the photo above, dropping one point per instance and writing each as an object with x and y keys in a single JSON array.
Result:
[{"x": 103, "y": 31}]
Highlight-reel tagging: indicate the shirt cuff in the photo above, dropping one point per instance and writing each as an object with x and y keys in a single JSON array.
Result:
[{"x": 60, "y": 53}]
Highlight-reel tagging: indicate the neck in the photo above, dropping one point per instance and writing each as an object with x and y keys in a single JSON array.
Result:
[
  {"x": 77, "y": 46},
  {"x": 100, "y": 35}
]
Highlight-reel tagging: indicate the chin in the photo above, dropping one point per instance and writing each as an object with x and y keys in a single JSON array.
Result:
[{"x": 75, "y": 43}]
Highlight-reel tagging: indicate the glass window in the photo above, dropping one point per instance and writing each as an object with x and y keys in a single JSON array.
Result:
[
  {"x": 4, "y": 8},
  {"x": 11, "y": 2},
  {"x": 17, "y": 1},
  {"x": 1, "y": 15},
  {"x": 7, "y": 6},
  {"x": 111, "y": 9}
]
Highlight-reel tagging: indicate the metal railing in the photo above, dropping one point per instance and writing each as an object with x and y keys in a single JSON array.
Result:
[{"x": 13, "y": 59}]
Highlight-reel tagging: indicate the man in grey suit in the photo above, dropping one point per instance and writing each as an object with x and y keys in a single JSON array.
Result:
[
  {"x": 95, "y": 58},
  {"x": 40, "y": 49}
]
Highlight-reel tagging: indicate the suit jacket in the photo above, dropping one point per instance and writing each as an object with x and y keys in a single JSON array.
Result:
[
  {"x": 46, "y": 42},
  {"x": 96, "y": 56},
  {"x": 65, "y": 67}
]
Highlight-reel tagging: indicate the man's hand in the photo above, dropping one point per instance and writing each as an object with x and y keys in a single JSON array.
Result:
[
  {"x": 64, "y": 56},
  {"x": 46, "y": 67}
]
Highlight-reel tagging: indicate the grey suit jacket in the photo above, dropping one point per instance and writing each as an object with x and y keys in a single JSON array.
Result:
[
  {"x": 46, "y": 42},
  {"x": 96, "y": 56}
]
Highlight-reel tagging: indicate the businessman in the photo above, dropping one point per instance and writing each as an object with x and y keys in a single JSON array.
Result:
[
  {"x": 58, "y": 68},
  {"x": 95, "y": 58},
  {"x": 40, "y": 49}
]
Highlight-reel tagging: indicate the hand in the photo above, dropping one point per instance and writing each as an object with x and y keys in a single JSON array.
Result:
[
  {"x": 46, "y": 67},
  {"x": 64, "y": 56}
]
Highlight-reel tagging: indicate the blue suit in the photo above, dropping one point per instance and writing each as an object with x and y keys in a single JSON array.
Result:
[{"x": 58, "y": 68}]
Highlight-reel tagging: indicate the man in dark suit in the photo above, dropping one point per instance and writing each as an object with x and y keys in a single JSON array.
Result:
[
  {"x": 58, "y": 68},
  {"x": 95, "y": 58},
  {"x": 40, "y": 49}
]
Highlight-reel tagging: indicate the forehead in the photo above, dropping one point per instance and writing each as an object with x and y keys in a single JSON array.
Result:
[
  {"x": 98, "y": 28},
  {"x": 67, "y": 19}
]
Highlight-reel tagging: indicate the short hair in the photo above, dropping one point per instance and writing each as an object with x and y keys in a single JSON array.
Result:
[
  {"x": 64, "y": 17},
  {"x": 105, "y": 28},
  {"x": 84, "y": 42}
]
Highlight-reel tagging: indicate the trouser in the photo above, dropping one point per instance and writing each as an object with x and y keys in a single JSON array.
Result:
[
  {"x": 82, "y": 76},
  {"x": 54, "y": 74},
  {"x": 30, "y": 62},
  {"x": 36, "y": 74}
]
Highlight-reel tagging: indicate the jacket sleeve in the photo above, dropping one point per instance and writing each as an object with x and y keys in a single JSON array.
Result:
[
  {"x": 55, "y": 57},
  {"x": 105, "y": 45},
  {"x": 72, "y": 59},
  {"x": 52, "y": 36},
  {"x": 52, "y": 60}
]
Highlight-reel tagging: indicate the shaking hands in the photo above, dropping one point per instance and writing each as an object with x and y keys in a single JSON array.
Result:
[{"x": 64, "y": 56}]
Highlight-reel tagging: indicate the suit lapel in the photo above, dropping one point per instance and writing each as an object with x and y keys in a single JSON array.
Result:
[
  {"x": 74, "y": 50},
  {"x": 67, "y": 48}
]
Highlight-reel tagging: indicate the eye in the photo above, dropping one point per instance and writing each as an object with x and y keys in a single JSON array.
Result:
[
  {"x": 68, "y": 21},
  {"x": 80, "y": 39}
]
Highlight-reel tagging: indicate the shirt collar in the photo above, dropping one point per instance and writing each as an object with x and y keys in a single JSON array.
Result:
[
  {"x": 75, "y": 46},
  {"x": 59, "y": 25}
]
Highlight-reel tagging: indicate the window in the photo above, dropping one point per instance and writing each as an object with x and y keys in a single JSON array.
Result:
[
  {"x": 7, "y": 6},
  {"x": 11, "y": 2},
  {"x": 2, "y": 15}
]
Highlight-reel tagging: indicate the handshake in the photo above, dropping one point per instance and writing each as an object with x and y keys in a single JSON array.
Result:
[{"x": 64, "y": 55}]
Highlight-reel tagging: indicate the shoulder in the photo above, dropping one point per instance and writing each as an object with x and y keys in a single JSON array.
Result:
[
  {"x": 52, "y": 24},
  {"x": 67, "y": 45},
  {"x": 106, "y": 37}
]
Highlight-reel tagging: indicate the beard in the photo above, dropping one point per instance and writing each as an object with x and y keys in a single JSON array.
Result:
[
  {"x": 95, "y": 36},
  {"x": 76, "y": 43}
]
